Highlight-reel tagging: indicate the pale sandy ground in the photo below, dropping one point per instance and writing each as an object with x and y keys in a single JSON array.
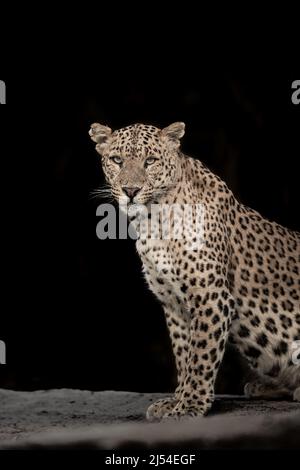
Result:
[{"x": 114, "y": 420}]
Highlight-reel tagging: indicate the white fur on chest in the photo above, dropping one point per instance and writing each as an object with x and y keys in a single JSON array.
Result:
[
  {"x": 160, "y": 273},
  {"x": 156, "y": 256}
]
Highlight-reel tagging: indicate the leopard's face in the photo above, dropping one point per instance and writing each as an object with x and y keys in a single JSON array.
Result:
[{"x": 140, "y": 162}]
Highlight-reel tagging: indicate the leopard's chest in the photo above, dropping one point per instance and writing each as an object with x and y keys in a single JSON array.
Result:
[
  {"x": 156, "y": 256},
  {"x": 159, "y": 267}
]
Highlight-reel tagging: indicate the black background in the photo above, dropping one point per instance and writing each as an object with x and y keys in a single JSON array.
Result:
[{"x": 75, "y": 310}]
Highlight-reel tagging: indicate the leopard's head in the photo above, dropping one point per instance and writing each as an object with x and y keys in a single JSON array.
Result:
[{"x": 140, "y": 162}]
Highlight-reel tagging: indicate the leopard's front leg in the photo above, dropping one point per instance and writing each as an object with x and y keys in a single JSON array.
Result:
[
  {"x": 211, "y": 312},
  {"x": 179, "y": 333},
  {"x": 178, "y": 327}
]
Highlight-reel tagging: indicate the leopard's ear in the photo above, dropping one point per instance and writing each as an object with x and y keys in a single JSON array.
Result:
[
  {"x": 100, "y": 134},
  {"x": 173, "y": 133}
]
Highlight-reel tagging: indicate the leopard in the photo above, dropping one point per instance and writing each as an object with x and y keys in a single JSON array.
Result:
[{"x": 239, "y": 286}]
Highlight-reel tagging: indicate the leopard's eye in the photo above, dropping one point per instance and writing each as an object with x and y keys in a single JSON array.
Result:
[
  {"x": 117, "y": 160},
  {"x": 150, "y": 161}
]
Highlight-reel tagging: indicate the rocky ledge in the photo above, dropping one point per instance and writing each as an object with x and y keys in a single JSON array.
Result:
[{"x": 71, "y": 419}]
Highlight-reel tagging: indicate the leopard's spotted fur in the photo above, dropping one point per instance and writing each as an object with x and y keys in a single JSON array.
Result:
[{"x": 242, "y": 285}]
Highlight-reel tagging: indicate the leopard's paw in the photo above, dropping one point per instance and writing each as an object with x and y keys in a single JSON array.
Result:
[
  {"x": 184, "y": 411},
  {"x": 253, "y": 389},
  {"x": 158, "y": 409},
  {"x": 183, "y": 415},
  {"x": 257, "y": 389},
  {"x": 296, "y": 394}
]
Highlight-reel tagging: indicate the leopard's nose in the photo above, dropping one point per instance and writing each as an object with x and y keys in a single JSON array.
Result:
[{"x": 131, "y": 192}]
